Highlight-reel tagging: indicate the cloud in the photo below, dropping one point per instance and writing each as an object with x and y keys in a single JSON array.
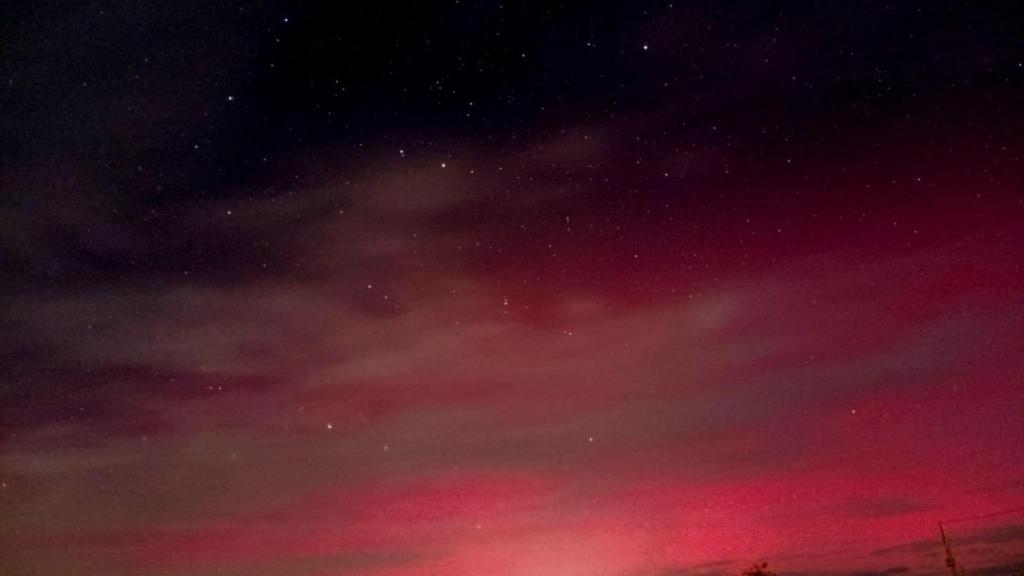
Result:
[{"x": 380, "y": 368}]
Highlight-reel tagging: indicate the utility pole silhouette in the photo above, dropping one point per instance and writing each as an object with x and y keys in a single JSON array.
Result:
[{"x": 955, "y": 569}]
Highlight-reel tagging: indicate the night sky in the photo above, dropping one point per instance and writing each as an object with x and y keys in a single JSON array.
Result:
[{"x": 403, "y": 288}]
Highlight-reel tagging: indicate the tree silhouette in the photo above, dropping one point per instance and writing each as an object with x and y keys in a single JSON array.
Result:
[{"x": 759, "y": 570}]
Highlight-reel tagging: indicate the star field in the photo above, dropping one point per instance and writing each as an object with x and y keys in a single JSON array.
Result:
[{"x": 542, "y": 288}]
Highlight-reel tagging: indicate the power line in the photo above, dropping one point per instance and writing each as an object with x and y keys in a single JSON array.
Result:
[{"x": 988, "y": 515}]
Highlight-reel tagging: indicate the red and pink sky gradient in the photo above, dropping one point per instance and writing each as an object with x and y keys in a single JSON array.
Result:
[
  {"x": 519, "y": 380},
  {"x": 664, "y": 341}
]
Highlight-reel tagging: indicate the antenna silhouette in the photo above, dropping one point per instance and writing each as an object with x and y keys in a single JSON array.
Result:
[{"x": 955, "y": 569}]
